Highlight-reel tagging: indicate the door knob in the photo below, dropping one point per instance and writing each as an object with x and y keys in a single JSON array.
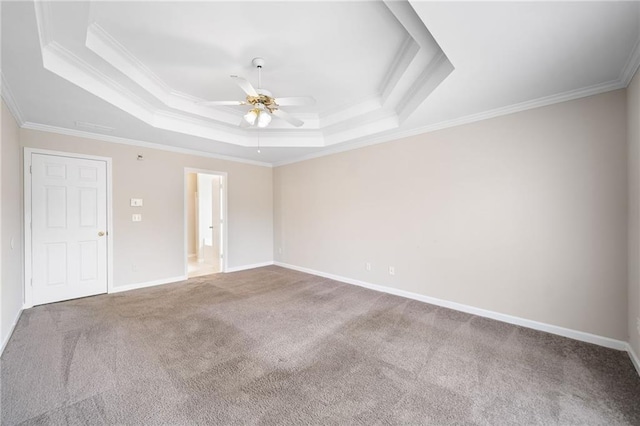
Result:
[{"x": 100, "y": 234}]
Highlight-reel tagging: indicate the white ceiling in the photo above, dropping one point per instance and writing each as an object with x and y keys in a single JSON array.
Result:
[
  {"x": 506, "y": 57},
  {"x": 309, "y": 49}
]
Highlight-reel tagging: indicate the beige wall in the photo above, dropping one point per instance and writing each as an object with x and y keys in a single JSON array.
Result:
[
  {"x": 11, "y": 229},
  {"x": 154, "y": 248},
  {"x": 633, "y": 135},
  {"x": 523, "y": 214},
  {"x": 192, "y": 184}
]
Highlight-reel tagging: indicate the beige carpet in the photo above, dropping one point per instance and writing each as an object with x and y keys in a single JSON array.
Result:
[{"x": 273, "y": 346}]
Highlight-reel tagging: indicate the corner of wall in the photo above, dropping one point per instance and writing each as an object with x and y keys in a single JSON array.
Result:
[
  {"x": 11, "y": 228},
  {"x": 633, "y": 146}
]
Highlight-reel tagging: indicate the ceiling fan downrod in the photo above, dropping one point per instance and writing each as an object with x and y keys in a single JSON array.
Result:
[{"x": 258, "y": 63}]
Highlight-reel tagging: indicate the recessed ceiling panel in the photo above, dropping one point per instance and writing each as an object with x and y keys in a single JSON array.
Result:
[{"x": 338, "y": 52}]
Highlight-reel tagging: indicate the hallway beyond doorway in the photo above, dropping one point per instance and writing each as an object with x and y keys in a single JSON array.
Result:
[
  {"x": 198, "y": 269},
  {"x": 205, "y": 202}
]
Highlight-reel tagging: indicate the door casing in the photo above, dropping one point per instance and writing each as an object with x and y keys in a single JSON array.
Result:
[{"x": 28, "y": 291}]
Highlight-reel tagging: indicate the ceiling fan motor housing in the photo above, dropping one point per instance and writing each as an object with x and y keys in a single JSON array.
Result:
[{"x": 263, "y": 99}]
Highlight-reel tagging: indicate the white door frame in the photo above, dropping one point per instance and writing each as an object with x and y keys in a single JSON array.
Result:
[
  {"x": 28, "y": 290},
  {"x": 223, "y": 201}
]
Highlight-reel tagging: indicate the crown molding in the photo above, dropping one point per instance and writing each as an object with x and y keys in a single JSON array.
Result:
[
  {"x": 43, "y": 21},
  {"x": 353, "y": 110},
  {"x": 498, "y": 112},
  {"x": 412, "y": 23},
  {"x": 133, "y": 142},
  {"x": 64, "y": 63},
  {"x": 335, "y": 149},
  {"x": 425, "y": 71},
  {"x": 632, "y": 65},
  {"x": 6, "y": 94},
  {"x": 382, "y": 124},
  {"x": 435, "y": 72},
  {"x": 96, "y": 34},
  {"x": 401, "y": 63},
  {"x": 361, "y": 126},
  {"x": 522, "y": 106},
  {"x": 103, "y": 44}
]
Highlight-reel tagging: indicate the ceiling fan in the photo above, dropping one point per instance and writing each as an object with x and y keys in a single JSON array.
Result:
[{"x": 263, "y": 104}]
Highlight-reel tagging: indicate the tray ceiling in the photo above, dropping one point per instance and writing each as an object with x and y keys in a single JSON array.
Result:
[
  {"x": 132, "y": 55},
  {"x": 135, "y": 71}
]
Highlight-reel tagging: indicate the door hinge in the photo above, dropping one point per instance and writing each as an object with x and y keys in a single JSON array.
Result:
[
  {"x": 30, "y": 169},
  {"x": 31, "y": 282}
]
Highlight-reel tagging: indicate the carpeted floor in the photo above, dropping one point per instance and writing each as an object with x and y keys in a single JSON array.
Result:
[{"x": 273, "y": 346}]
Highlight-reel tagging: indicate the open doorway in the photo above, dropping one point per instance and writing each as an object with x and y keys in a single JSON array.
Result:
[{"x": 205, "y": 222}]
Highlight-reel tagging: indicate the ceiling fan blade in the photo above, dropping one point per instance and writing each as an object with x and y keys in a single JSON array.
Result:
[
  {"x": 245, "y": 85},
  {"x": 296, "y": 100},
  {"x": 222, "y": 103},
  {"x": 288, "y": 117}
]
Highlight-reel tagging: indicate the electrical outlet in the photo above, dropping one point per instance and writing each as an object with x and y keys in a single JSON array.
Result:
[
  {"x": 279, "y": 250},
  {"x": 134, "y": 267},
  {"x": 392, "y": 270},
  {"x": 367, "y": 266}
]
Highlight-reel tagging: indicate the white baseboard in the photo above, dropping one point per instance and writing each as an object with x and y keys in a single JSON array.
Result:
[
  {"x": 13, "y": 327},
  {"x": 553, "y": 329},
  {"x": 245, "y": 267},
  {"x": 634, "y": 358},
  {"x": 135, "y": 286}
]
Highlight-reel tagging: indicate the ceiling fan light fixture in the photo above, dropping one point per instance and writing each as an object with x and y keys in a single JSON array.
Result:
[
  {"x": 262, "y": 102},
  {"x": 251, "y": 116},
  {"x": 264, "y": 118}
]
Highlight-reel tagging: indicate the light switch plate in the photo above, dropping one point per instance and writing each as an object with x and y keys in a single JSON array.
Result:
[
  {"x": 136, "y": 217},
  {"x": 136, "y": 202}
]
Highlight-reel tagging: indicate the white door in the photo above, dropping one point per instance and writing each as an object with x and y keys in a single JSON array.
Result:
[
  {"x": 216, "y": 228},
  {"x": 209, "y": 220},
  {"x": 69, "y": 227}
]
